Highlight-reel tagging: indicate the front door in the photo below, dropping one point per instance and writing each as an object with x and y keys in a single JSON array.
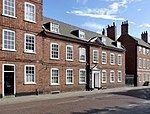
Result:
[
  {"x": 96, "y": 83},
  {"x": 9, "y": 77}
]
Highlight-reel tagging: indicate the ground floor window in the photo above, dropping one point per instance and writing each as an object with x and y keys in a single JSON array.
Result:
[
  {"x": 29, "y": 74},
  {"x": 54, "y": 76},
  {"x": 104, "y": 76},
  {"x": 69, "y": 76},
  {"x": 112, "y": 76},
  {"x": 82, "y": 76},
  {"x": 119, "y": 76}
]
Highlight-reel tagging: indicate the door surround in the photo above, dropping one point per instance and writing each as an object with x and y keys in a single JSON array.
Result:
[{"x": 3, "y": 65}]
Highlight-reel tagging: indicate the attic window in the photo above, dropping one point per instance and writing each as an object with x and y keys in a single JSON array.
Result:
[
  {"x": 104, "y": 40},
  {"x": 81, "y": 34},
  {"x": 118, "y": 44},
  {"x": 54, "y": 27}
]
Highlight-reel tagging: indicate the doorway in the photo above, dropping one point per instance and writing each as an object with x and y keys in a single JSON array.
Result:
[
  {"x": 8, "y": 80},
  {"x": 96, "y": 81}
]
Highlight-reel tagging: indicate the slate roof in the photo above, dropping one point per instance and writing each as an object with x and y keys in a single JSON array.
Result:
[
  {"x": 141, "y": 42},
  {"x": 66, "y": 29}
]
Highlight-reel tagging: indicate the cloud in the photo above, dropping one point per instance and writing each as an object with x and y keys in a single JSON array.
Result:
[
  {"x": 82, "y": 1},
  {"x": 104, "y": 13},
  {"x": 144, "y": 25},
  {"x": 139, "y": 9},
  {"x": 109, "y": 13},
  {"x": 93, "y": 25}
]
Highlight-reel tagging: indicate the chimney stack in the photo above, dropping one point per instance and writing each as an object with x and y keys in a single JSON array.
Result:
[
  {"x": 124, "y": 28},
  {"x": 103, "y": 32},
  {"x": 112, "y": 32},
  {"x": 144, "y": 36}
]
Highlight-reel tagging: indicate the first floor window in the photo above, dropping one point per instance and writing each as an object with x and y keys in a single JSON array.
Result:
[
  {"x": 9, "y": 7},
  {"x": 69, "y": 52},
  {"x": 119, "y": 59},
  {"x": 29, "y": 43},
  {"x": 8, "y": 40},
  {"x": 54, "y": 76},
  {"x": 104, "y": 58},
  {"x": 54, "y": 51},
  {"x": 140, "y": 62},
  {"x": 112, "y": 76},
  {"x": 82, "y": 56},
  {"x": 112, "y": 58},
  {"x": 104, "y": 76},
  {"x": 69, "y": 76},
  {"x": 29, "y": 74},
  {"x": 30, "y": 12},
  {"x": 119, "y": 76},
  {"x": 95, "y": 56},
  {"x": 82, "y": 76}
]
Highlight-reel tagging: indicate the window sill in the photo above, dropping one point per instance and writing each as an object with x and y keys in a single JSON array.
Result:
[
  {"x": 112, "y": 64},
  {"x": 71, "y": 60},
  {"x": 112, "y": 81},
  {"x": 12, "y": 50},
  {"x": 82, "y": 83},
  {"x": 104, "y": 82},
  {"x": 52, "y": 84},
  {"x": 119, "y": 81},
  {"x": 33, "y": 83},
  {"x": 55, "y": 59},
  {"x": 10, "y": 16},
  {"x": 69, "y": 83},
  {"x": 29, "y": 52},
  {"x": 104, "y": 63},
  {"x": 82, "y": 61},
  {"x": 30, "y": 21}
]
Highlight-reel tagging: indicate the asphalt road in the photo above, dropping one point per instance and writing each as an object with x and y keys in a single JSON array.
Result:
[{"x": 130, "y": 102}]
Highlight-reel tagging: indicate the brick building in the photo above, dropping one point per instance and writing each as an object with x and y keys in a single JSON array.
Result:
[
  {"x": 104, "y": 57},
  {"x": 20, "y": 46},
  {"x": 137, "y": 55},
  {"x": 42, "y": 55}
]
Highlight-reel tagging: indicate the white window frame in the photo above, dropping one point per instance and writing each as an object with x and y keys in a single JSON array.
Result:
[
  {"x": 72, "y": 53},
  {"x": 147, "y": 64},
  {"x": 140, "y": 62},
  {"x": 80, "y": 76},
  {"x": 139, "y": 77},
  {"x": 54, "y": 27},
  {"x": 27, "y": 50},
  {"x": 144, "y": 51},
  {"x": 81, "y": 34},
  {"x": 140, "y": 49},
  {"x": 14, "y": 40},
  {"x": 80, "y": 54},
  {"x": 105, "y": 57},
  {"x": 95, "y": 61},
  {"x": 72, "y": 76},
  {"x": 25, "y": 81},
  {"x": 119, "y": 61},
  {"x": 144, "y": 63},
  {"x": 58, "y": 76},
  {"x": 112, "y": 81},
  {"x": 13, "y": 16},
  {"x": 25, "y": 18},
  {"x": 51, "y": 50},
  {"x": 147, "y": 51},
  {"x": 104, "y": 71},
  {"x": 113, "y": 59},
  {"x": 119, "y": 76}
]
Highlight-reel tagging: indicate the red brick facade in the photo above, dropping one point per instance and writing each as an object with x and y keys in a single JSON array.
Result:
[{"x": 41, "y": 58}]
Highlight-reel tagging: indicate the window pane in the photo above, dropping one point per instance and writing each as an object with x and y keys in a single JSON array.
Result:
[{"x": 9, "y": 7}]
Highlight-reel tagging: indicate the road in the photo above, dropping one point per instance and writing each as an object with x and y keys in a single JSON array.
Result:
[{"x": 129, "y": 102}]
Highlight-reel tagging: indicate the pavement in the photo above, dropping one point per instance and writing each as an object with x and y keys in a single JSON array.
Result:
[{"x": 22, "y": 99}]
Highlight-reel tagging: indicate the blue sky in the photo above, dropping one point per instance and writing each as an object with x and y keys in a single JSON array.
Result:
[{"x": 94, "y": 15}]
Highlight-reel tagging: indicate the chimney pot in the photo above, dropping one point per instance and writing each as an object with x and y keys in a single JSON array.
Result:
[{"x": 144, "y": 36}]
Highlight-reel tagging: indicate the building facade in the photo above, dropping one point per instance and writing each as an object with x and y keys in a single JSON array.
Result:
[
  {"x": 42, "y": 55},
  {"x": 137, "y": 55}
]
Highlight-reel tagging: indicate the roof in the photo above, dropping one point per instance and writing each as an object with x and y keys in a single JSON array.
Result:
[
  {"x": 141, "y": 42},
  {"x": 66, "y": 30}
]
